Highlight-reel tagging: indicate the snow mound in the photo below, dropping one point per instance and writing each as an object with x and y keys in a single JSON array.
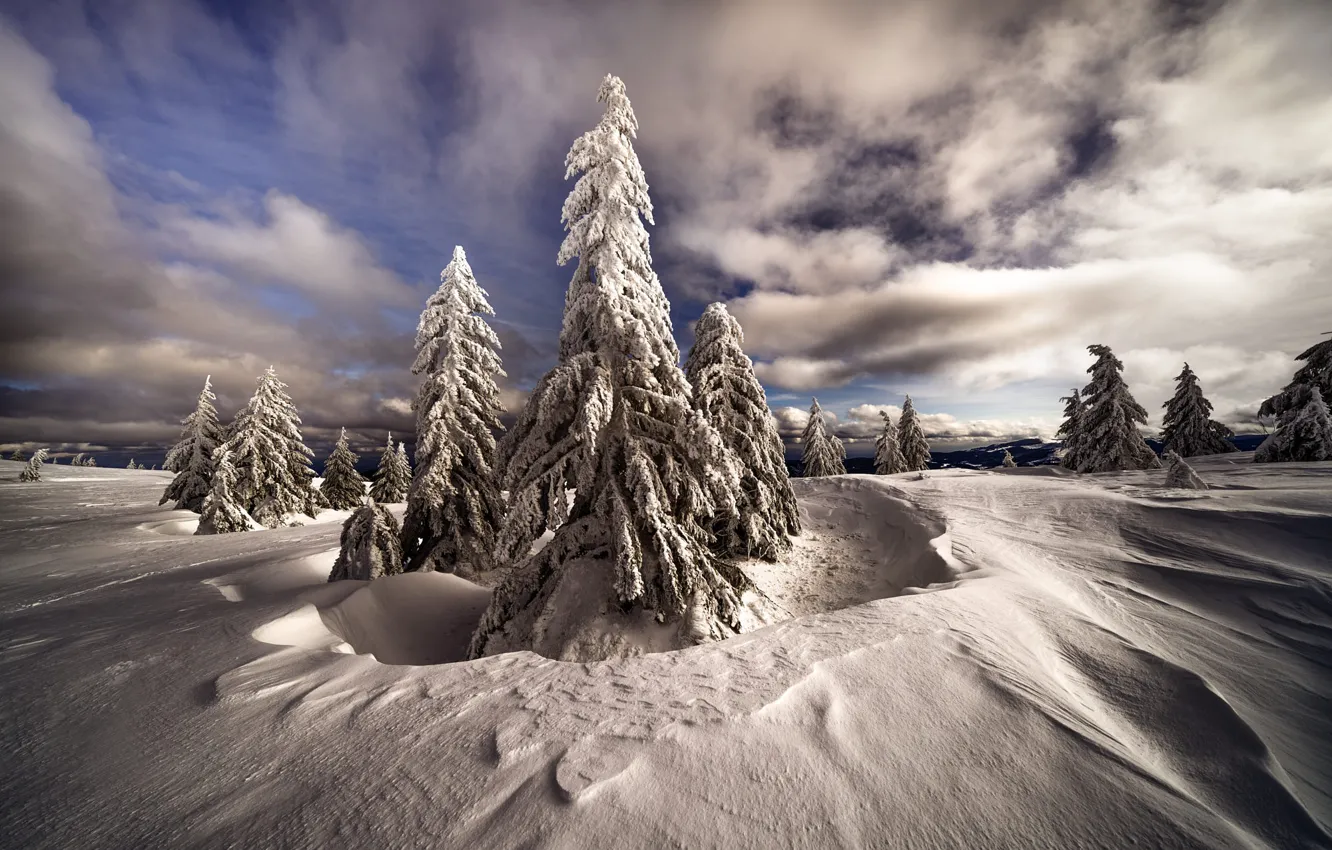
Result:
[
  {"x": 183, "y": 527},
  {"x": 410, "y": 618}
]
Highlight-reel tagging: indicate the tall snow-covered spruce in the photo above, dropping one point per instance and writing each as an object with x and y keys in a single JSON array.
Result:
[
  {"x": 1301, "y": 410},
  {"x": 733, "y": 402},
  {"x": 394, "y": 475},
  {"x": 370, "y": 545},
  {"x": 1188, "y": 429},
  {"x": 33, "y": 471},
  {"x": 273, "y": 476},
  {"x": 613, "y": 421},
  {"x": 192, "y": 458},
  {"x": 1108, "y": 438},
  {"x": 1070, "y": 430},
  {"x": 888, "y": 458},
  {"x": 343, "y": 486},
  {"x": 454, "y": 506},
  {"x": 821, "y": 453},
  {"x": 911, "y": 437}
]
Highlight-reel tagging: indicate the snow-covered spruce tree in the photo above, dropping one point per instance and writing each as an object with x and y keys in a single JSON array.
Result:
[
  {"x": 222, "y": 513},
  {"x": 911, "y": 438},
  {"x": 613, "y": 420},
  {"x": 92, "y": 461},
  {"x": 733, "y": 402},
  {"x": 272, "y": 462},
  {"x": 18, "y": 455},
  {"x": 1187, "y": 428},
  {"x": 393, "y": 477},
  {"x": 77, "y": 460},
  {"x": 1304, "y": 429},
  {"x": 1179, "y": 474},
  {"x": 343, "y": 486},
  {"x": 192, "y": 458},
  {"x": 821, "y": 453},
  {"x": 371, "y": 545},
  {"x": 1008, "y": 462},
  {"x": 888, "y": 458},
  {"x": 1316, "y": 372},
  {"x": 33, "y": 471},
  {"x": 1070, "y": 430},
  {"x": 1108, "y": 437},
  {"x": 454, "y": 506},
  {"x": 131, "y": 464}
]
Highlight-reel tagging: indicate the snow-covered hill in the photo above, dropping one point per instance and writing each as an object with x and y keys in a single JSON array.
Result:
[{"x": 1017, "y": 658}]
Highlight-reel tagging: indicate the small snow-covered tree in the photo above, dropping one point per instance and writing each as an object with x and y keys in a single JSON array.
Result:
[
  {"x": 733, "y": 402},
  {"x": 221, "y": 512},
  {"x": 821, "y": 453},
  {"x": 1109, "y": 440},
  {"x": 454, "y": 505},
  {"x": 92, "y": 461},
  {"x": 613, "y": 420},
  {"x": 1304, "y": 429},
  {"x": 131, "y": 464},
  {"x": 18, "y": 455},
  {"x": 192, "y": 458},
  {"x": 343, "y": 486},
  {"x": 1179, "y": 474},
  {"x": 911, "y": 437},
  {"x": 1008, "y": 462},
  {"x": 394, "y": 475},
  {"x": 1316, "y": 372},
  {"x": 33, "y": 471},
  {"x": 272, "y": 462},
  {"x": 1187, "y": 428},
  {"x": 1070, "y": 431},
  {"x": 370, "y": 545},
  {"x": 888, "y": 457},
  {"x": 77, "y": 460}
]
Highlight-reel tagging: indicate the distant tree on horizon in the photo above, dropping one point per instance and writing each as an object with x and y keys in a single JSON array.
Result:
[
  {"x": 911, "y": 437},
  {"x": 1008, "y": 462},
  {"x": 33, "y": 471},
  {"x": 729, "y": 396},
  {"x": 1187, "y": 428},
  {"x": 822, "y": 454},
  {"x": 454, "y": 505}
]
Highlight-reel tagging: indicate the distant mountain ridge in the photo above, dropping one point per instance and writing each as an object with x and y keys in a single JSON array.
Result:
[{"x": 1031, "y": 451}]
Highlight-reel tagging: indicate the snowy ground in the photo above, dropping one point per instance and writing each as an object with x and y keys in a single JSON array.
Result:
[{"x": 979, "y": 659}]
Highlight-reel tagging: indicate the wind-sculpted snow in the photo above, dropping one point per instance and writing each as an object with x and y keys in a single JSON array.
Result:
[{"x": 1025, "y": 659}]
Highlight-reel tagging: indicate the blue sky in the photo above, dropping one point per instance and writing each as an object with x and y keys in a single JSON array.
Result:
[{"x": 948, "y": 199}]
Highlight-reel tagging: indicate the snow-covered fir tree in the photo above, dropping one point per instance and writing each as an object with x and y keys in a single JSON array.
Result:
[
  {"x": 1179, "y": 474},
  {"x": 192, "y": 458},
  {"x": 1008, "y": 462},
  {"x": 1304, "y": 429},
  {"x": 92, "y": 461},
  {"x": 371, "y": 545},
  {"x": 394, "y": 475},
  {"x": 221, "y": 512},
  {"x": 888, "y": 457},
  {"x": 33, "y": 471},
  {"x": 1187, "y": 428},
  {"x": 1316, "y": 372},
  {"x": 273, "y": 475},
  {"x": 821, "y": 453},
  {"x": 614, "y": 421},
  {"x": 18, "y": 455},
  {"x": 343, "y": 486},
  {"x": 454, "y": 505},
  {"x": 732, "y": 400},
  {"x": 77, "y": 460},
  {"x": 1070, "y": 430},
  {"x": 131, "y": 464},
  {"x": 1108, "y": 439},
  {"x": 911, "y": 437}
]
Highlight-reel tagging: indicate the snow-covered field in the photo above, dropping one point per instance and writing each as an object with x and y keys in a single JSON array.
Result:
[{"x": 978, "y": 659}]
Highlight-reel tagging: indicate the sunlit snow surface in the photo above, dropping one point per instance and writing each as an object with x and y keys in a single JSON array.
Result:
[{"x": 1095, "y": 662}]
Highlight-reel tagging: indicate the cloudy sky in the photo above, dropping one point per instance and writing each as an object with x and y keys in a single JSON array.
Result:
[{"x": 949, "y": 199}]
